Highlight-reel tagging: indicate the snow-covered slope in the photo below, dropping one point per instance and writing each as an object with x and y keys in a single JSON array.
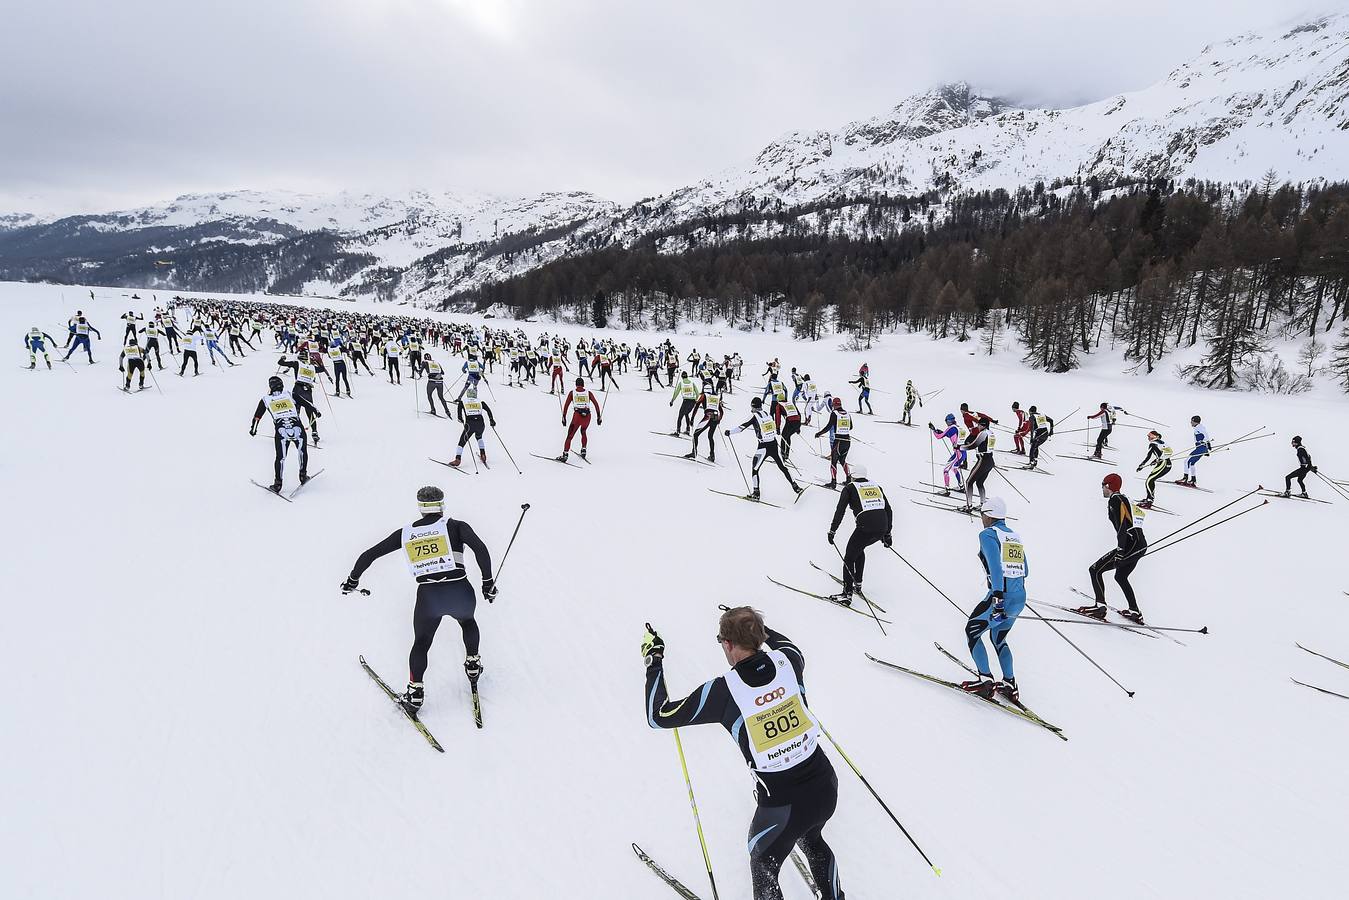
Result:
[
  {"x": 185, "y": 716},
  {"x": 1275, "y": 101}
]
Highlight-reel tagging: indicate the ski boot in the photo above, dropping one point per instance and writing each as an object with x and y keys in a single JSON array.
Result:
[
  {"x": 275, "y": 487},
  {"x": 844, "y": 597},
  {"x": 413, "y": 697},
  {"x": 1096, "y": 455},
  {"x": 33, "y": 365},
  {"x": 563, "y": 457},
  {"x": 753, "y": 495},
  {"x": 1007, "y": 688},
  {"x": 454, "y": 464},
  {"x": 712, "y": 457},
  {"x": 473, "y": 667},
  {"x": 690, "y": 456},
  {"x": 49, "y": 364},
  {"x": 1304, "y": 496},
  {"x": 304, "y": 478},
  {"x": 1094, "y": 611},
  {"x": 796, "y": 487},
  {"x": 583, "y": 453},
  {"x": 434, "y": 413},
  {"x": 1286, "y": 494},
  {"x": 1132, "y": 615},
  {"x": 482, "y": 457},
  {"x": 833, "y": 484},
  {"x": 1145, "y": 504},
  {"x": 984, "y": 687}
]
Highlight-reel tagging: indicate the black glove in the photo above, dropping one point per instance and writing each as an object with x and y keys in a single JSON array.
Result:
[
  {"x": 1314, "y": 469},
  {"x": 887, "y": 541},
  {"x": 489, "y": 589},
  {"x": 253, "y": 430},
  {"x": 493, "y": 422},
  {"x": 317, "y": 414},
  {"x": 930, "y": 427},
  {"x": 653, "y": 645},
  {"x": 830, "y": 537},
  {"x": 350, "y": 585},
  {"x": 997, "y": 596}
]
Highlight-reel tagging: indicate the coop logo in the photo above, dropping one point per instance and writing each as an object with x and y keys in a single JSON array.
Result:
[{"x": 770, "y": 697}]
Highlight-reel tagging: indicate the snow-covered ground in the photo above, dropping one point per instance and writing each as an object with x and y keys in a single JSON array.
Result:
[{"x": 185, "y": 716}]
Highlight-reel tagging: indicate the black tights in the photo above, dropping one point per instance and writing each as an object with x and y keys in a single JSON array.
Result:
[{"x": 435, "y": 600}]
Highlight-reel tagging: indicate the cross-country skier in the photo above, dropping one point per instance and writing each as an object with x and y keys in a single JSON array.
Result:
[
  {"x": 1107, "y": 416},
  {"x": 80, "y": 329},
  {"x": 287, "y": 427},
  {"x": 435, "y": 385},
  {"x": 470, "y": 411},
  {"x": 1200, "y": 449},
  {"x": 863, "y": 382},
  {"x": 839, "y": 429},
  {"x": 767, "y": 433},
  {"x": 581, "y": 402},
  {"x": 1005, "y": 565},
  {"x": 981, "y": 440},
  {"x": 1042, "y": 430},
  {"x": 434, "y": 547},
  {"x": 1158, "y": 457},
  {"x": 873, "y": 520},
  {"x": 189, "y": 346},
  {"x": 1304, "y": 465},
  {"x": 956, "y": 462},
  {"x": 33, "y": 342},
  {"x": 687, "y": 394},
  {"x": 1130, "y": 547},
  {"x": 761, "y": 702},
  {"x": 1023, "y": 427},
  {"x": 910, "y": 397},
  {"x": 134, "y": 362},
  {"x": 709, "y": 401}
]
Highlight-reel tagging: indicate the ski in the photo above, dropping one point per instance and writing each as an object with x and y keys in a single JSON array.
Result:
[
  {"x": 826, "y": 599},
  {"x": 477, "y": 702},
  {"x": 291, "y": 495},
  {"x": 673, "y": 434},
  {"x": 1291, "y": 497},
  {"x": 1323, "y": 656},
  {"x": 664, "y": 875},
  {"x": 1010, "y": 710},
  {"x": 954, "y": 509},
  {"x": 1095, "y": 459},
  {"x": 745, "y": 498},
  {"x": 411, "y": 717},
  {"x": 1119, "y": 612},
  {"x": 556, "y": 459},
  {"x": 895, "y": 422},
  {"x": 126, "y": 391},
  {"x": 929, "y": 491},
  {"x": 801, "y": 867},
  {"x": 1036, "y": 469},
  {"x": 1193, "y": 487},
  {"x": 458, "y": 469},
  {"x": 680, "y": 456},
  {"x": 878, "y": 607},
  {"x": 968, "y": 668},
  {"x": 1321, "y": 689},
  {"x": 1069, "y": 609},
  {"x": 269, "y": 490}
]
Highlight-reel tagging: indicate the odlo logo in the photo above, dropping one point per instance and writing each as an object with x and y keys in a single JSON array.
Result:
[{"x": 770, "y": 697}]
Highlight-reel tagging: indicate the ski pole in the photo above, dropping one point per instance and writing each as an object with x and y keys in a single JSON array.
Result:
[
  {"x": 859, "y": 590},
  {"x": 1079, "y": 650},
  {"x": 524, "y": 508},
  {"x": 869, "y": 444},
  {"x": 1165, "y": 537},
  {"x": 693, "y": 804},
  {"x": 1152, "y": 550},
  {"x": 151, "y": 369},
  {"x": 1333, "y": 485},
  {"x": 843, "y": 753},
  {"x": 325, "y": 394},
  {"x": 929, "y": 582},
  {"x": 1203, "y": 630},
  {"x": 508, "y": 452},
  {"x": 1146, "y": 419},
  {"x": 1009, "y": 483},
  {"x": 730, "y": 440}
]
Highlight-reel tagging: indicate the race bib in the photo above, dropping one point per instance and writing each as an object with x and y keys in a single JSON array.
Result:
[
  {"x": 424, "y": 549},
  {"x": 778, "y": 725}
]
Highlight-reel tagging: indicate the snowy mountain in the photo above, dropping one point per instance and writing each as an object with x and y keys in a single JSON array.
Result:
[{"x": 1274, "y": 101}]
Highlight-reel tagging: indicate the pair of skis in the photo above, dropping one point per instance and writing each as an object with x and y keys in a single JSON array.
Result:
[
  {"x": 1327, "y": 659},
  {"x": 681, "y": 890},
  {"x": 289, "y": 498},
  {"x": 412, "y": 716},
  {"x": 1014, "y": 708},
  {"x": 831, "y": 599}
]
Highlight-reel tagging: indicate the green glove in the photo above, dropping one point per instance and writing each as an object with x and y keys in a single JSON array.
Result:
[{"x": 653, "y": 645}]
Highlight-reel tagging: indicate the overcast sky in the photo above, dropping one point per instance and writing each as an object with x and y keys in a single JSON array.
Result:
[{"x": 112, "y": 104}]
